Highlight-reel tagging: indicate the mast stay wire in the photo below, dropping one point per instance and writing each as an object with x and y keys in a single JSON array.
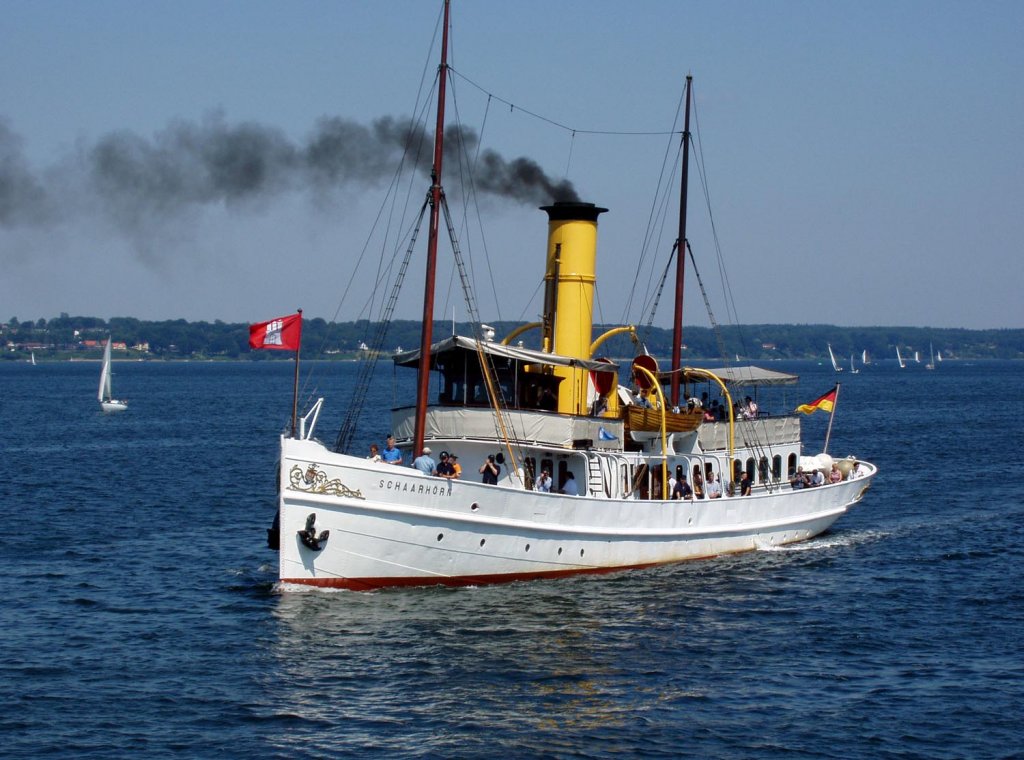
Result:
[{"x": 727, "y": 293}]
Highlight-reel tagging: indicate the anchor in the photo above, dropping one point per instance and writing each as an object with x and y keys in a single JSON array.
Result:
[{"x": 309, "y": 537}]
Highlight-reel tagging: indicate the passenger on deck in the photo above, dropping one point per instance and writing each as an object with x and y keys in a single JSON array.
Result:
[
  {"x": 750, "y": 409},
  {"x": 857, "y": 472},
  {"x": 391, "y": 455},
  {"x": 569, "y": 487},
  {"x": 682, "y": 489},
  {"x": 819, "y": 478},
  {"x": 714, "y": 488},
  {"x": 444, "y": 467},
  {"x": 490, "y": 470},
  {"x": 797, "y": 481},
  {"x": 746, "y": 483},
  {"x": 835, "y": 475},
  {"x": 544, "y": 482},
  {"x": 425, "y": 463},
  {"x": 698, "y": 486},
  {"x": 453, "y": 460},
  {"x": 374, "y": 453}
]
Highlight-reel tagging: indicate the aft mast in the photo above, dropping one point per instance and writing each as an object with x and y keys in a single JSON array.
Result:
[
  {"x": 677, "y": 327},
  {"x": 436, "y": 198}
]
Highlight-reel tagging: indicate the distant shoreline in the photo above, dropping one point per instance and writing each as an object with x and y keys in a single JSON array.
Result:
[{"x": 81, "y": 338}]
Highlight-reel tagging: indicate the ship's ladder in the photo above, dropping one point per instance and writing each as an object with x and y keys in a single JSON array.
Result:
[{"x": 595, "y": 478}]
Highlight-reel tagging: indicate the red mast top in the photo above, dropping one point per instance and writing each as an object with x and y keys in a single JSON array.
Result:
[
  {"x": 436, "y": 195},
  {"x": 677, "y": 327}
]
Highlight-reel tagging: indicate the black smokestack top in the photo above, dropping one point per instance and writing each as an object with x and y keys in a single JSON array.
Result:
[{"x": 188, "y": 165}]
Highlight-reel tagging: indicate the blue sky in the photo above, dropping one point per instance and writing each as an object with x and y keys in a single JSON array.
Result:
[{"x": 865, "y": 161}]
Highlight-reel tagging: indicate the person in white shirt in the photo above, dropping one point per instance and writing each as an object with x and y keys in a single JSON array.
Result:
[
  {"x": 543, "y": 482},
  {"x": 569, "y": 488},
  {"x": 713, "y": 488}
]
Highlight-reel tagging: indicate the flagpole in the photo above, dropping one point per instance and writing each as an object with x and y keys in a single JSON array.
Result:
[
  {"x": 295, "y": 386},
  {"x": 831, "y": 417}
]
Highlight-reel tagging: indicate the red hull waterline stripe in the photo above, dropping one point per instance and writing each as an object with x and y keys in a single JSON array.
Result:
[{"x": 372, "y": 584}]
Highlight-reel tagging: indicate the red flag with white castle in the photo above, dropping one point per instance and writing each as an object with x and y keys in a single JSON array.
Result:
[{"x": 281, "y": 334}]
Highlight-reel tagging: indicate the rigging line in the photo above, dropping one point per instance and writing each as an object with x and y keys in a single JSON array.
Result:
[
  {"x": 658, "y": 291},
  {"x": 661, "y": 188},
  {"x": 662, "y": 214},
  {"x": 467, "y": 290},
  {"x": 388, "y": 203},
  {"x": 658, "y": 221},
  {"x": 550, "y": 121},
  {"x": 529, "y": 302},
  {"x": 487, "y": 366},
  {"x": 472, "y": 196},
  {"x": 730, "y": 302},
  {"x": 707, "y": 305},
  {"x": 568, "y": 160},
  {"x": 361, "y": 387}
]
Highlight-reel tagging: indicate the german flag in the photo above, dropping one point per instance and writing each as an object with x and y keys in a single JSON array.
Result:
[{"x": 826, "y": 402}]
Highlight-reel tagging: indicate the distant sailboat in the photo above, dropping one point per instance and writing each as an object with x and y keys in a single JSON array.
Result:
[
  {"x": 938, "y": 356},
  {"x": 832, "y": 356},
  {"x": 32, "y": 359},
  {"x": 864, "y": 357},
  {"x": 931, "y": 364},
  {"x": 899, "y": 358},
  {"x": 917, "y": 357},
  {"x": 107, "y": 403},
  {"x": 853, "y": 369}
]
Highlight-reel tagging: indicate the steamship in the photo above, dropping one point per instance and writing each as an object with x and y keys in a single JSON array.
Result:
[{"x": 612, "y": 437}]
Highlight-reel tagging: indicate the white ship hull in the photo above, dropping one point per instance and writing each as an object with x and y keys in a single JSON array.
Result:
[{"x": 392, "y": 526}]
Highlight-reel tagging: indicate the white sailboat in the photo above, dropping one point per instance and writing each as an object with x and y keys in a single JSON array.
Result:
[
  {"x": 853, "y": 368},
  {"x": 345, "y": 521},
  {"x": 832, "y": 356},
  {"x": 107, "y": 402},
  {"x": 938, "y": 356},
  {"x": 899, "y": 358},
  {"x": 931, "y": 363},
  {"x": 917, "y": 357},
  {"x": 32, "y": 359},
  {"x": 864, "y": 357}
]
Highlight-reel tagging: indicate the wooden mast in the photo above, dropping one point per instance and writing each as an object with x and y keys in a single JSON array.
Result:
[
  {"x": 436, "y": 197},
  {"x": 677, "y": 328}
]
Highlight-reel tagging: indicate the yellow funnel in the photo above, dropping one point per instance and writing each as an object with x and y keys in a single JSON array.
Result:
[{"x": 569, "y": 294}]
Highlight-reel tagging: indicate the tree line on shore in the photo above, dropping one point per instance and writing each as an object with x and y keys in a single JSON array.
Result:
[{"x": 69, "y": 336}]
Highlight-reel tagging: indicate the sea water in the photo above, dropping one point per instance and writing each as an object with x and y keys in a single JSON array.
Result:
[{"x": 140, "y": 613}]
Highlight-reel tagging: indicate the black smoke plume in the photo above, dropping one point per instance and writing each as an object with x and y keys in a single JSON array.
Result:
[{"x": 188, "y": 165}]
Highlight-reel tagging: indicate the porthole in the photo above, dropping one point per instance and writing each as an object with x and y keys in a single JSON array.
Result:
[
  {"x": 440, "y": 536},
  {"x": 559, "y": 551},
  {"x": 581, "y": 552},
  {"x": 483, "y": 541},
  {"x": 527, "y": 547},
  {"x": 474, "y": 507}
]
